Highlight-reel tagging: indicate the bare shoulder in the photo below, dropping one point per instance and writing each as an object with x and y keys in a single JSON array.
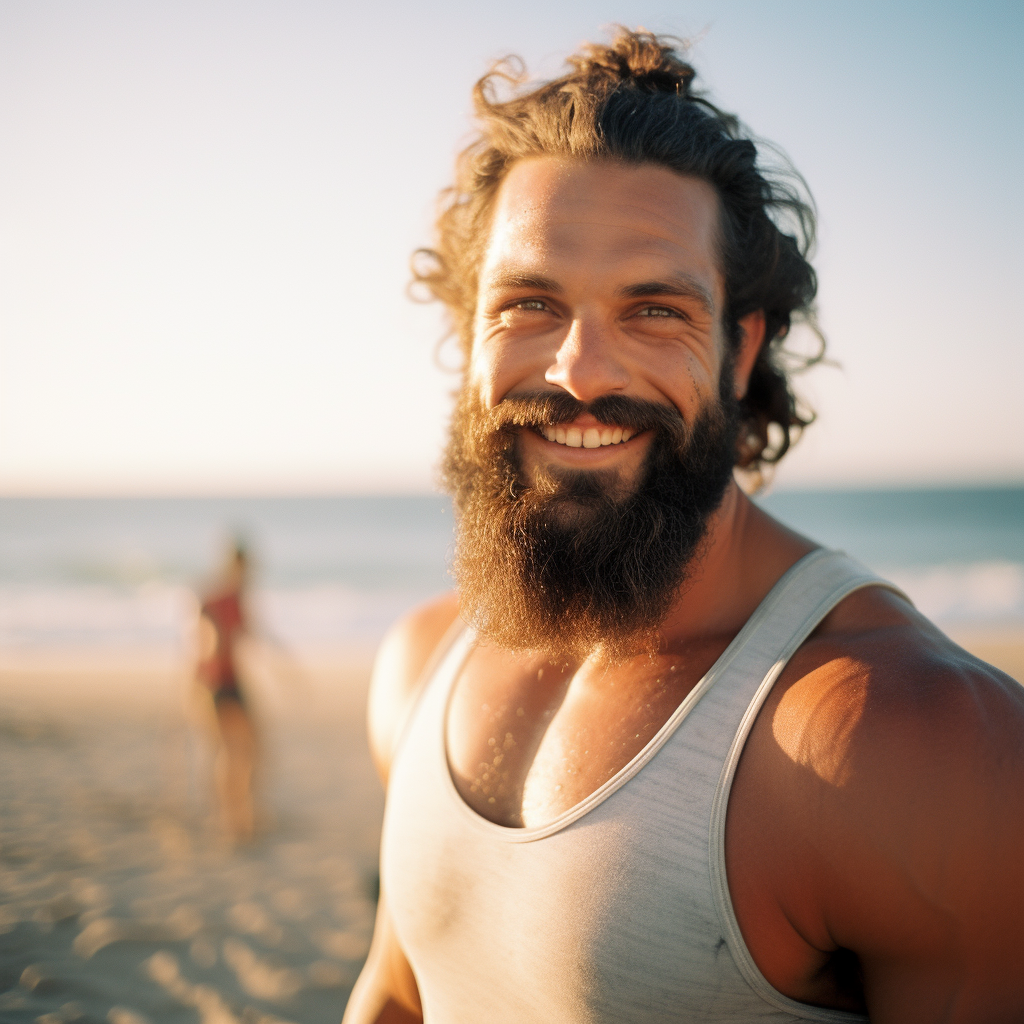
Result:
[
  {"x": 898, "y": 759},
  {"x": 878, "y": 681},
  {"x": 402, "y": 665}
]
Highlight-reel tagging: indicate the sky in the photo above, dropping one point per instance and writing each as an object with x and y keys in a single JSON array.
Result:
[{"x": 207, "y": 211}]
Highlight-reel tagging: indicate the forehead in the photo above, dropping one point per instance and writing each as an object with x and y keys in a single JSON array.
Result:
[{"x": 608, "y": 216}]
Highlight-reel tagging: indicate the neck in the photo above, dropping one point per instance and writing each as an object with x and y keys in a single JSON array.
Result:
[{"x": 744, "y": 554}]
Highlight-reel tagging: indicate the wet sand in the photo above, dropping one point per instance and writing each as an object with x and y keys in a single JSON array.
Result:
[
  {"x": 118, "y": 899},
  {"x": 119, "y": 903}
]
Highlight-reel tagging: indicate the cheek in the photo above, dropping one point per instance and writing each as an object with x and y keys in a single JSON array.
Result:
[
  {"x": 485, "y": 376},
  {"x": 496, "y": 369},
  {"x": 686, "y": 382}
]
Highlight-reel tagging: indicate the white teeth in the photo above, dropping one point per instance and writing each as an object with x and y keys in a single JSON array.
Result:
[{"x": 592, "y": 437}]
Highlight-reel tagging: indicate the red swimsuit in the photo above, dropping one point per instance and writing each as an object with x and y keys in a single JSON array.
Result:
[{"x": 218, "y": 670}]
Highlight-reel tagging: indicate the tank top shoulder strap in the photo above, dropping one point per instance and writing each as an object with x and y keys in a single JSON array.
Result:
[{"x": 785, "y": 619}]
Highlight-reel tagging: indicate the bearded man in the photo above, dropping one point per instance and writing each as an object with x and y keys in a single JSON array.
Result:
[{"x": 661, "y": 758}]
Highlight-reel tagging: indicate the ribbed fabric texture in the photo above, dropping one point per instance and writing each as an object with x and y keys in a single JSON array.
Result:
[{"x": 619, "y": 911}]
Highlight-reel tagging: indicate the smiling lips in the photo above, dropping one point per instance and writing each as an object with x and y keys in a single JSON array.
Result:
[{"x": 588, "y": 437}]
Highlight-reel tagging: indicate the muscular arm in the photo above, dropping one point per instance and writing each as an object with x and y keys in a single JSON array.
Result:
[
  {"x": 935, "y": 905},
  {"x": 386, "y": 992},
  {"x": 886, "y": 819}
]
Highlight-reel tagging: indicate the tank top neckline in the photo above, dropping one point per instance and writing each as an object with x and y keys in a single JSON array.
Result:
[{"x": 455, "y": 660}]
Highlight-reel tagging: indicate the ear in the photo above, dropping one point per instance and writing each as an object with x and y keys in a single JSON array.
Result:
[{"x": 750, "y": 342}]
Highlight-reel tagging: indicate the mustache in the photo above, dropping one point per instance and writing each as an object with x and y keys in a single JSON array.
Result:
[{"x": 543, "y": 408}]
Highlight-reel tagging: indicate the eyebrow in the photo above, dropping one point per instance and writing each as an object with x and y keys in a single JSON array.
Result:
[
  {"x": 683, "y": 286},
  {"x": 513, "y": 280}
]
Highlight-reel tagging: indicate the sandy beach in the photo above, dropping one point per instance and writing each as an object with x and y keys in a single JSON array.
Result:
[{"x": 119, "y": 903}]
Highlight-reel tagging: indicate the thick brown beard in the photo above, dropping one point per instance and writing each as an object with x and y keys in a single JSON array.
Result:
[{"x": 577, "y": 563}]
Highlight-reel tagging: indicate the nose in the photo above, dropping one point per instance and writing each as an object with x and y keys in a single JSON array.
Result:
[{"x": 587, "y": 364}]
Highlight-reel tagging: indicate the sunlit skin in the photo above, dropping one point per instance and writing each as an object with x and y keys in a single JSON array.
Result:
[
  {"x": 875, "y": 823},
  {"x": 624, "y": 299}
]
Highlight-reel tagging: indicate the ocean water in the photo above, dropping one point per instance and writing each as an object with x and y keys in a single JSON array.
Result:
[{"x": 335, "y": 571}]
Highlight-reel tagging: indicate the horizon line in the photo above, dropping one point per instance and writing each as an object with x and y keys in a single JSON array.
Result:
[{"x": 255, "y": 493}]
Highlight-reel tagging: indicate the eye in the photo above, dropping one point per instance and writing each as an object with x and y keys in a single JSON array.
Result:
[
  {"x": 659, "y": 311},
  {"x": 512, "y": 313}
]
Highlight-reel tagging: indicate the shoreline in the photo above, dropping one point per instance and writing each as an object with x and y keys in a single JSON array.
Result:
[
  {"x": 315, "y": 685},
  {"x": 140, "y": 680}
]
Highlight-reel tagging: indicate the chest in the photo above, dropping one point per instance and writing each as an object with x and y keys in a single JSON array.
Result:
[{"x": 529, "y": 738}]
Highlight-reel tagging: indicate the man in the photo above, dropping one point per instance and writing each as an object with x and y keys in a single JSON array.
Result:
[{"x": 682, "y": 765}]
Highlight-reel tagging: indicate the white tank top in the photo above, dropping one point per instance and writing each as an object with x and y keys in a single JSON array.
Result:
[{"x": 618, "y": 911}]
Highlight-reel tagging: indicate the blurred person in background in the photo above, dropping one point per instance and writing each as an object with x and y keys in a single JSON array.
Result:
[
  {"x": 682, "y": 764},
  {"x": 222, "y": 624}
]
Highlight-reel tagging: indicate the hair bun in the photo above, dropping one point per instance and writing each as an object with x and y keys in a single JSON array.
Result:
[{"x": 639, "y": 59}]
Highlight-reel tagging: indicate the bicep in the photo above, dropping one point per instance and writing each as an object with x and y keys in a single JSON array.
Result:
[
  {"x": 932, "y": 896},
  {"x": 941, "y": 934}
]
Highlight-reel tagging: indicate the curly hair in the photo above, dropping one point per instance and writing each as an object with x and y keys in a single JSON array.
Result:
[{"x": 633, "y": 101}]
